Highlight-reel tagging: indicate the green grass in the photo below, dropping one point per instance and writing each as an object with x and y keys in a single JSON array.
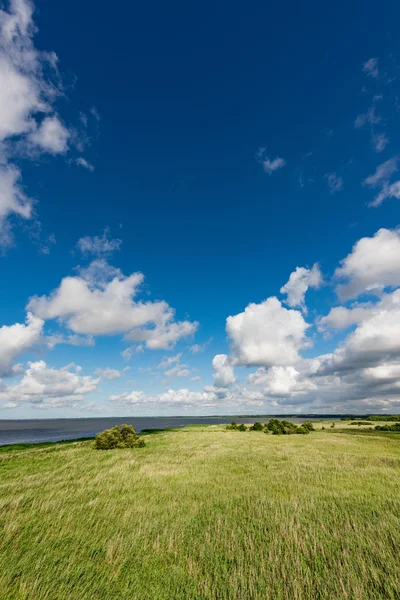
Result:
[{"x": 203, "y": 513}]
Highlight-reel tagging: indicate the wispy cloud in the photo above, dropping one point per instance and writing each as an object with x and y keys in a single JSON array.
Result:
[
  {"x": 370, "y": 68},
  {"x": 335, "y": 182}
]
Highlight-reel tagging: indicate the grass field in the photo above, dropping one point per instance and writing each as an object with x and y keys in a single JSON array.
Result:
[{"x": 203, "y": 513}]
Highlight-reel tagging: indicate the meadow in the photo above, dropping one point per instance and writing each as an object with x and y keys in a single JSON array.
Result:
[{"x": 204, "y": 513}]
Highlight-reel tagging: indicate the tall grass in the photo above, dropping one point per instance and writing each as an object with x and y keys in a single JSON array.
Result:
[{"x": 203, "y": 513}]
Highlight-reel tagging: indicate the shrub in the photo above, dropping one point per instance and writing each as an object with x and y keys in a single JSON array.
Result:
[
  {"x": 308, "y": 425},
  {"x": 302, "y": 430},
  {"x": 232, "y": 426},
  {"x": 287, "y": 427},
  {"x": 394, "y": 427},
  {"x": 257, "y": 427},
  {"x": 118, "y": 437},
  {"x": 242, "y": 427}
]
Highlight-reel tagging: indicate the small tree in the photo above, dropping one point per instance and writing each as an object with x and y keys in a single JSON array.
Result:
[
  {"x": 118, "y": 437},
  {"x": 242, "y": 427}
]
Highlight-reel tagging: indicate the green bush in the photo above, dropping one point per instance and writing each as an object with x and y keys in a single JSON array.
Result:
[
  {"x": 302, "y": 430},
  {"x": 118, "y": 437},
  {"x": 287, "y": 427},
  {"x": 394, "y": 427},
  {"x": 242, "y": 427},
  {"x": 257, "y": 427},
  {"x": 233, "y": 426},
  {"x": 308, "y": 425}
]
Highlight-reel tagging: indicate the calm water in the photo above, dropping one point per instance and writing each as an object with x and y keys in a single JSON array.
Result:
[{"x": 53, "y": 430}]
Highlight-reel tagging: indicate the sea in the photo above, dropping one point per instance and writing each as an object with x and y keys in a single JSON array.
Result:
[{"x": 34, "y": 431}]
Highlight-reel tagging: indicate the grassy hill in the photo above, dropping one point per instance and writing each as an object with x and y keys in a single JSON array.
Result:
[{"x": 203, "y": 513}]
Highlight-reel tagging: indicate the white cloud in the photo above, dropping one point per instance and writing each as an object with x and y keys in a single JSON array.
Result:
[
  {"x": 372, "y": 266},
  {"x": 196, "y": 348},
  {"x": 72, "y": 340},
  {"x": 270, "y": 166},
  {"x": 108, "y": 373},
  {"x": 335, "y": 183},
  {"x": 98, "y": 245},
  {"x": 341, "y": 317},
  {"x": 383, "y": 173},
  {"x": 51, "y": 136},
  {"x": 182, "y": 398},
  {"x": 380, "y": 141},
  {"x": 370, "y": 117},
  {"x": 299, "y": 282},
  {"x": 128, "y": 352},
  {"x": 100, "y": 301},
  {"x": 267, "y": 334},
  {"x": 167, "y": 361},
  {"x": 388, "y": 191},
  {"x": 16, "y": 339},
  {"x": 13, "y": 200},
  {"x": 28, "y": 120},
  {"x": 165, "y": 335},
  {"x": 177, "y": 371},
  {"x": 48, "y": 387},
  {"x": 280, "y": 381},
  {"x": 370, "y": 68},
  {"x": 82, "y": 162},
  {"x": 375, "y": 341},
  {"x": 224, "y": 375}
]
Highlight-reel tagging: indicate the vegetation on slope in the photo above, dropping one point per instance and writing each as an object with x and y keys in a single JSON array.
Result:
[{"x": 195, "y": 515}]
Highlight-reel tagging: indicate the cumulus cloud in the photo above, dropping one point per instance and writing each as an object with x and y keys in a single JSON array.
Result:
[
  {"x": 375, "y": 340},
  {"x": 299, "y": 282},
  {"x": 47, "y": 387},
  {"x": 165, "y": 334},
  {"x": 372, "y": 266},
  {"x": 99, "y": 246},
  {"x": 224, "y": 375},
  {"x": 101, "y": 301},
  {"x": 267, "y": 334},
  {"x": 17, "y": 339},
  {"x": 280, "y": 381},
  {"x": 341, "y": 317}
]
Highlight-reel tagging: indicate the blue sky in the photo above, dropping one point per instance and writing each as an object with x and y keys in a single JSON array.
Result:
[{"x": 211, "y": 150}]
